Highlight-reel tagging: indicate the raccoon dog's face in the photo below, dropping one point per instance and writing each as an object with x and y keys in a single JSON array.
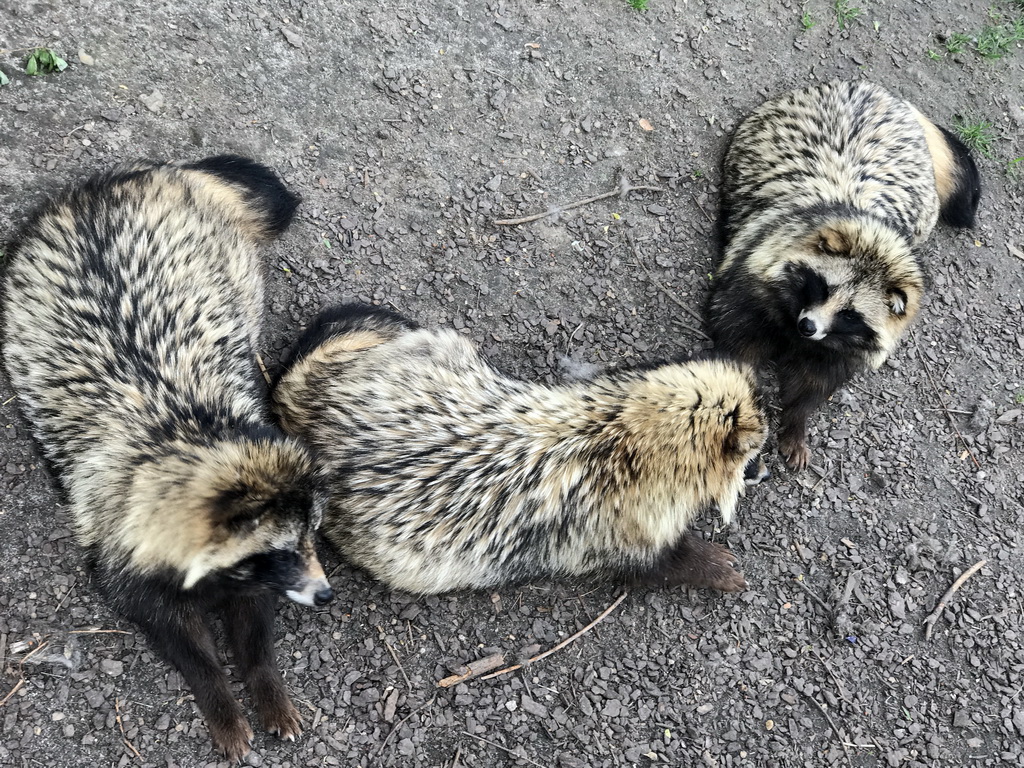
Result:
[
  {"x": 851, "y": 287},
  {"x": 261, "y": 509},
  {"x": 281, "y": 530}
]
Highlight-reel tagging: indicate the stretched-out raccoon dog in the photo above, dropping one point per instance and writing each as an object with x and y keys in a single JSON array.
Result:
[
  {"x": 827, "y": 193},
  {"x": 445, "y": 474},
  {"x": 133, "y": 306}
]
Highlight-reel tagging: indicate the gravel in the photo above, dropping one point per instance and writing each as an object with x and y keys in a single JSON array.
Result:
[{"x": 408, "y": 129}]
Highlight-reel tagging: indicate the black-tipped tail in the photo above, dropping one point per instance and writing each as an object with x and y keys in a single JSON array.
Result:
[
  {"x": 265, "y": 191},
  {"x": 959, "y": 209}
]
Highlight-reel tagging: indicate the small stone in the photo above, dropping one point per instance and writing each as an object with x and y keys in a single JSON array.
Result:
[
  {"x": 112, "y": 667},
  {"x": 154, "y": 101},
  {"x": 534, "y": 707},
  {"x": 85, "y": 58},
  {"x": 293, "y": 38}
]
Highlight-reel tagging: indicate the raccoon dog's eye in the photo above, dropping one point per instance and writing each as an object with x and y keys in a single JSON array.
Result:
[{"x": 898, "y": 302}]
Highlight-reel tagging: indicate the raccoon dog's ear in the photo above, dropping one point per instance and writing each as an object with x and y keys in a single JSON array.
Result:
[
  {"x": 897, "y": 302},
  {"x": 744, "y": 432},
  {"x": 833, "y": 241},
  {"x": 237, "y": 509}
]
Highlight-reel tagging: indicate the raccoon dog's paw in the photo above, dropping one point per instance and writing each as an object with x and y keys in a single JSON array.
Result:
[
  {"x": 795, "y": 451},
  {"x": 714, "y": 567},
  {"x": 283, "y": 720},
  {"x": 233, "y": 738}
]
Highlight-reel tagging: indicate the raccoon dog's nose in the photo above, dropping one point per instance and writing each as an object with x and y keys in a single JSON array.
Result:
[
  {"x": 324, "y": 596},
  {"x": 807, "y": 327}
]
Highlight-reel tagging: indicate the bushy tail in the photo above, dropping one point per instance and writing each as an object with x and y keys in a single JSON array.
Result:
[
  {"x": 960, "y": 194},
  {"x": 264, "y": 191}
]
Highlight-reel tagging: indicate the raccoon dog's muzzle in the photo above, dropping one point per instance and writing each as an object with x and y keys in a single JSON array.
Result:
[
  {"x": 755, "y": 471},
  {"x": 812, "y": 325},
  {"x": 311, "y": 587}
]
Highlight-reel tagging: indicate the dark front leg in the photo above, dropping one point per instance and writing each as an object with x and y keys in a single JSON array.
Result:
[
  {"x": 802, "y": 390},
  {"x": 695, "y": 562},
  {"x": 249, "y": 623},
  {"x": 178, "y": 631}
]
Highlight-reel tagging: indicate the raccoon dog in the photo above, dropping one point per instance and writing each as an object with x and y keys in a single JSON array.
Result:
[
  {"x": 444, "y": 474},
  {"x": 827, "y": 192},
  {"x": 133, "y": 304}
]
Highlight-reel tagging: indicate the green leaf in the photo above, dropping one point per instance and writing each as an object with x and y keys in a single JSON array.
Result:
[
  {"x": 4, "y": 79},
  {"x": 59, "y": 63},
  {"x": 32, "y": 65}
]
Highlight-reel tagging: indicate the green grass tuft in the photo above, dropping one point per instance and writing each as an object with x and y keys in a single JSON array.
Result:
[
  {"x": 958, "y": 42},
  {"x": 638, "y": 5},
  {"x": 977, "y": 135},
  {"x": 845, "y": 14}
]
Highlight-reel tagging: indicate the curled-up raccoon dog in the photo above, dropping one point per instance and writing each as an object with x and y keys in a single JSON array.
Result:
[
  {"x": 827, "y": 194},
  {"x": 132, "y": 309},
  {"x": 445, "y": 474}
]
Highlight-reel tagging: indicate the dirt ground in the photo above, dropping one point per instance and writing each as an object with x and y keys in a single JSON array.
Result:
[{"x": 408, "y": 128}]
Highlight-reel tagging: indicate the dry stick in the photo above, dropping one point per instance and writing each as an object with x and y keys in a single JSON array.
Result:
[
  {"x": 839, "y": 685},
  {"x": 938, "y": 394},
  {"x": 701, "y": 207},
  {"x": 5, "y": 51},
  {"x": 402, "y": 722},
  {"x": 503, "y": 749},
  {"x": 100, "y": 632},
  {"x": 66, "y": 595},
  {"x": 474, "y": 668},
  {"x": 263, "y": 368},
  {"x": 835, "y": 728},
  {"x": 395, "y": 657},
  {"x": 933, "y": 617},
  {"x": 562, "y": 644},
  {"x": 13, "y": 691},
  {"x": 124, "y": 736},
  {"x": 814, "y": 597},
  {"x": 624, "y": 189},
  {"x": 660, "y": 287}
]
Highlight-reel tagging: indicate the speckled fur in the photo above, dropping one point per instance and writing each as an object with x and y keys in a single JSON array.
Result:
[
  {"x": 133, "y": 303},
  {"x": 827, "y": 193},
  {"x": 445, "y": 474}
]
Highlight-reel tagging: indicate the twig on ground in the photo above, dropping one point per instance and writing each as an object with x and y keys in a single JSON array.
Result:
[
  {"x": 938, "y": 394},
  {"x": 6, "y": 51},
  {"x": 474, "y": 669},
  {"x": 503, "y": 749},
  {"x": 839, "y": 685},
  {"x": 813, "y": 596},
  {"x": 99, "y": 632},
  {"x": 402, "y": 722},
  {"x": 701, "y": 208},
  {"x": 124, "y": 736},
  {"x": 14, "y": 690},
  {"x": 458, "y": 754},
  {"x": 660, "y": 287},
  {"x": 395, "y": 657},
  {"x": 533, "y": 659},
  {"x": 835, "y": 728},
  {"x": 822, "y": 479},
  {"x": 263, "y": 368},
  {"x": 623, "y": 189},
  {"x": 66, "y": 595},
  {"x": 929, "y": 623}
]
